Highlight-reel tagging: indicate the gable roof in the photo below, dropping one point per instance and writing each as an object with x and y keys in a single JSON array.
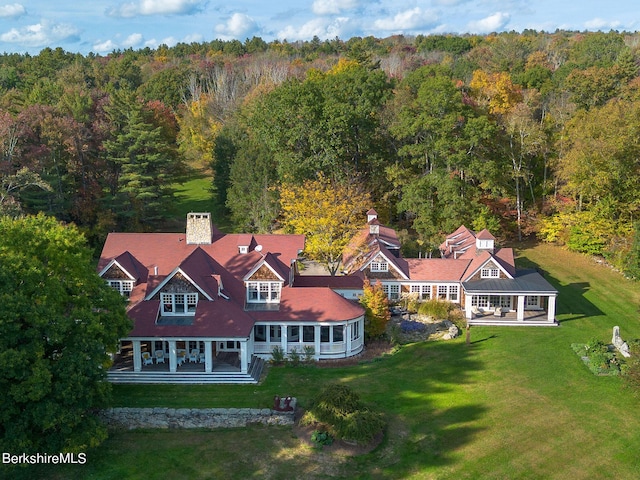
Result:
[
  {"x": 271, "y": 262},
  {"x": 129, "y": 265}
]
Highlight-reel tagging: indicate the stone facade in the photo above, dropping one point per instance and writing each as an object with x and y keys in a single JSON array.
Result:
[
  {"x": 133, "y": 418},
  {"x": 199, "y": 228}
]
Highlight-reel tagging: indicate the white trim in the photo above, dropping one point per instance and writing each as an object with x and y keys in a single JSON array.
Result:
[
  {"x": 169, "y": 277},
  {"x": 111, "y": 264},
  {"x": 263, "y": 261},
  {"x": 479, "y": 269},
  {"x": 389, "y": 261}
]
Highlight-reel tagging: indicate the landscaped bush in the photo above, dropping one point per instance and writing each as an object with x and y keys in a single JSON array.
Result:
[
  {"x": 411, "y": 326},
  {"x": 339, "y": 410},
  {"x": 598, "y": 357},
  {"x": 435, "y": 308},
  {"x": 277, "y": 355}
]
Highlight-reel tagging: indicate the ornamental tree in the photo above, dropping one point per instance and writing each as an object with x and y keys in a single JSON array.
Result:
[
  {"x": 58, "y": 321},
  {"x": 328, "y": 212},
  {"x": 376, "y": 306}
]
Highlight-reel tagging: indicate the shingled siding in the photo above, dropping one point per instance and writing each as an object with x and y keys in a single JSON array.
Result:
[
  {"x": 115, "y": 273},
  {"x": 264, "y": 273}
]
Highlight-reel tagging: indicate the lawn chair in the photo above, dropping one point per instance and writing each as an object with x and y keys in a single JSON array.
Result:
[
  {"x": 159, "y": 356},
  {"x": 147, "y": 359},
  {"x": 194, "y": 356}
]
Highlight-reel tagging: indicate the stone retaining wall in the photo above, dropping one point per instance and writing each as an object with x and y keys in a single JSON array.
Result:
[{"x": 131, "y": 418}]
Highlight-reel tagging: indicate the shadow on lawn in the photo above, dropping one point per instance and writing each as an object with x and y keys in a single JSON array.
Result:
[
  {"x": 423, "y": 390},
  {"x": 572, "y": 303}
]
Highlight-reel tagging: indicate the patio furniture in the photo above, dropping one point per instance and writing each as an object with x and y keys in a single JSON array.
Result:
[
  {"x": 476, "y": 311},
  {"x": 159, "y": 356},
  {"x": 147, "y": 359},
  {"x": 194, "y": 356},
  {"x": 497, "y": 312},
  {"x": 181, "y": 356}
]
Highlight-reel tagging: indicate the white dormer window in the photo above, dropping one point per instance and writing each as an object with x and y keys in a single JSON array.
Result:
[
  {"x": 179, "y": 303},
  {"x": 243, "y": 249},
  {"x": 490, "y": 273},
  {"x": 263, "y": 292},
  {"x": 122, "y": 286},
  {"x": 379, "y": 266}
]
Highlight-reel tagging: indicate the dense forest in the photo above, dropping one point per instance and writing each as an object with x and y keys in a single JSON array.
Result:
[{"x": 527, "y": 134}]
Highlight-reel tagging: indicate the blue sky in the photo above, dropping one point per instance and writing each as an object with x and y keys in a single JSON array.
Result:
[{"x": 101, "y": 26}]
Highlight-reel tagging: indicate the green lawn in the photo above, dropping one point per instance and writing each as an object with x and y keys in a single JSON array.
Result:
[{"x": 516, "y": 403}]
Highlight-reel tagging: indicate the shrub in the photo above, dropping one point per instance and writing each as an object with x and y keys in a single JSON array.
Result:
[
  {"x": 339, "y": 409},
  {"x": 321, "y": 438},
  {"x": 294, "y": 357},
  {"x": 411, "y": 326},
  {"x": 277, "y": 355},
  {"x": 436, "y": 308},
  {"x": 309, "y": 353}
]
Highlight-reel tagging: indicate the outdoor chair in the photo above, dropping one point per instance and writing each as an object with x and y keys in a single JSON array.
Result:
[
  {"x": 193, "y": 358},
  {"x": 497, "y": 312},
  {"x": 146, "y": 358},
  {"x": 159, "y": 356},
  {"x": 476, "y": 311},
  {"x": 181, "y": 356}
]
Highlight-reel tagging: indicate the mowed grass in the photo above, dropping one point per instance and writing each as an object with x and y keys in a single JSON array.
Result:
[{"x": 515, "y": 404}]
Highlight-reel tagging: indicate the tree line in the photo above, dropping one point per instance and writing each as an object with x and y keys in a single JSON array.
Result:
[{"x": 528, "y": 133}]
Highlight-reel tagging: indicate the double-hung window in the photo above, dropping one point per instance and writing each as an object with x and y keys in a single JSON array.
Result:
[
  {"x": 490, "y": 272},
  {"x": 122, "y": 286},
  {"x": 179, "y": 303},
  {"x": 379, "y": 266},
  {"x": 263, "y": 292}
]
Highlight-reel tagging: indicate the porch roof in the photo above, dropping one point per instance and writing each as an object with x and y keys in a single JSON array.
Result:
[
  {"x": 219, "y": 318},
  {"x": 526, "y": 282}
]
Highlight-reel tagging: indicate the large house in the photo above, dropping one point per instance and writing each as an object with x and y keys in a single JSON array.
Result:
[
  {"x": 471, "y": 272},
  {"x": 208, "y": 306}
]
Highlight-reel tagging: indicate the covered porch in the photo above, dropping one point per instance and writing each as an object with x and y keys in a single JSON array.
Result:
[
  {"x": 527, "y": 299},
  {"x": 184, "y": 361}
]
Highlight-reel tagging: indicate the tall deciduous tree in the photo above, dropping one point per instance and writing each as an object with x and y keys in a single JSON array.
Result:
[
  {"x": 58, "y": 320},
  {"x": 327, "y": 212},
  {"x": 376, "y": 306}
]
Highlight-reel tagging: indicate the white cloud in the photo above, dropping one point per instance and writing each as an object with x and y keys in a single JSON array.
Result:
[
  {"x": 407, "y": 20},
  {"x": 600, "y": 24},
  {"x": 14, "y": 10},
  {"x": 321, "y": 27},
  {"x": 333, "y": 7},
  {"x": 104, "y": 47},
  {"x": 41, "y": 34},
  {"x": 238, "y": 26},
  {"x": 156, "y": 7},
  {"x": 134, "y": 40},
  {"x": 492, "y": 23}
]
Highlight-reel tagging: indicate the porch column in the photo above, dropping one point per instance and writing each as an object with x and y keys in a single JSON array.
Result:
[
  {"x": 173, "y": 360},
  {"x": 244, "y": 357},
  {"x": 316, "y": 341},
  {"x": 551, "y": 308},
  {"x": 283, "y": 338},
  {"x": 467, "y": 306},
  {"x": 347, "y": 338},
  {"x": 520, "y": 311},
  {"x": 137, "y": 360},
  {"x": 208, "y": 360}
]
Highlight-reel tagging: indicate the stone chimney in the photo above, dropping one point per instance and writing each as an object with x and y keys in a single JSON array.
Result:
[{"x": 199, "y": 228}]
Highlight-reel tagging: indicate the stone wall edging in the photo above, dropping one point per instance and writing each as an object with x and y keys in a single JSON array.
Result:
[{"x": 159, "y": 417}]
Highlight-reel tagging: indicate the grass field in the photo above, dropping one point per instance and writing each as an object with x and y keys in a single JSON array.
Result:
[{"x": 515, "y": 404}]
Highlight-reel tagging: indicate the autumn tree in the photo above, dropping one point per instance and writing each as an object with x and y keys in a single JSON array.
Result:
[
  {"x": 58, "y": 322},
  {"x": 328, "y": 212},
  {"x": 376, "y": 306}
]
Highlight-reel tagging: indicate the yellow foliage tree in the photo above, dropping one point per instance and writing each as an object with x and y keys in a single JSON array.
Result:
[
  {"x": 329, "y": 213},
  {"x": 198, "y": 131},
  {"x": 496, "y": 91}
]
